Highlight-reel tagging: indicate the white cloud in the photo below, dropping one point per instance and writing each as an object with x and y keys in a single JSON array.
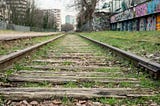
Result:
[
  {"x": 49, "y": 4},
  {"x": 57, "y": 4}
]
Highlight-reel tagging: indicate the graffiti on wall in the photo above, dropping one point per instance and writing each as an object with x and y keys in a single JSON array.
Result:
[
  {"x": 135, "y": 25},
  {"x": 151, "y": 23},
  {"x": 158, "y": 23},
  {"x": 153, "y": 6},
  {"x": 158, "y": 6},
  {"x": 142, "y": 24},
  {"x": 128, "y": 14},
  {"x": 141, "y": 10},
  {"x": 130, "y": 25}
]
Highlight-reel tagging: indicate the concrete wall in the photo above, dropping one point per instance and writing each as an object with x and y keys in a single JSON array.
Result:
[{"x": 140, "y": 18}]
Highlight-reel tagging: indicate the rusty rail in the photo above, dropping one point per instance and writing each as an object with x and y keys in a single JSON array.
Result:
[
  {"x": 8, "y": 60},
  {"x": 151, "y": 67}
]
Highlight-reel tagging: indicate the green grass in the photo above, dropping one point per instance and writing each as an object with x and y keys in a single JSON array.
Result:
[
  {"x": 141, "y": 43},
  {"x": 110, "y": 101},
  {"x": 142, "y": 101},
  {"x": 70, "y": 85},
  {"x": 67, "y": 63},
  {"x": 67, "y": 101},
  {"x": 144, "y": 83},
  {"x": 111, "y": 69},
  {"x": 43, "y": 84},
  {"x": 12, "y": 46}
]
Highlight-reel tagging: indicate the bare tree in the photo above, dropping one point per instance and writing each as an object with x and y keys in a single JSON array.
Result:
[
  {"x": 38, "y": 18},
  {"x": 30, "y": 13},
  {"x": 86, "y": 12}
]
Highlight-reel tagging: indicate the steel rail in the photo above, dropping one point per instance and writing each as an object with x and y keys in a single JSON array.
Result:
[
  {"x": 8, "y": 60},
  {"x": 144, "y": 64}
]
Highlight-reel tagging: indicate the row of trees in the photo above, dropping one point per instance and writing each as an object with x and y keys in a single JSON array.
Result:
[{"x": 33, "y": 17}]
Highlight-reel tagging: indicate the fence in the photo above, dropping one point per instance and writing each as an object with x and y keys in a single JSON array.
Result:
[{"x": 5, "y": 26}]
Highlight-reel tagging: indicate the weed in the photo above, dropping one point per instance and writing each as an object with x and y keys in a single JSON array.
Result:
[
  {"x": 110, "y": 101},
  {"x": 88, "y": 84},
  {"x": 67, "y": 63},
  {"x": 70, "y": 85},
  {"x": 113, "y": 69},
  {"x": 1, "y": 100},
  {"x": 110, "y": 85},
  {"x": 67, "y": 101},
  {"x": 18, "y": 67},
  {"x": 126, "y": 84},
  {"x": 9, "y": 72}
]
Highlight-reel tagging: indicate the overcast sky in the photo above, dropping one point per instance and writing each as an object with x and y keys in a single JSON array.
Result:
[{"x": 57, "y": 4}]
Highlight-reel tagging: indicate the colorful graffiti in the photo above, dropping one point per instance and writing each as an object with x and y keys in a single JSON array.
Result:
[
  {"x": 141, "y": 10},
  {"x": 138, "y": 22},
  {"x": 142, "y": 24},
  {"x": 158, "y": 23},
  {"x": 151, "y": 23},
  {"x": 130, "y": 25},
  {"x": 135, "y": 25},
  {"x": 128, "y": 14},
  {"x": 112, "y": 19},
  {"x": 153, "y": 6}
]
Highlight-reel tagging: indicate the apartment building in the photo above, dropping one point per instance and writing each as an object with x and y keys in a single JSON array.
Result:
[
  {"x": 54, "y": 14},
  {"x": 69, "y": 19},
  {"x": 19, "y": 5},
  {"x": 4, "y": 11},
  {"x": 57, "y": 15}
]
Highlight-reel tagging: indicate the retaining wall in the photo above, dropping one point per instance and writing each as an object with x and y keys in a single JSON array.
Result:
[{"x": 143, "y": 17}]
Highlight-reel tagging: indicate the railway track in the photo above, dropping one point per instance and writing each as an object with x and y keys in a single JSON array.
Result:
[
  {"x": 152, "y": 68},
  {"x": 72, "y": 68}
]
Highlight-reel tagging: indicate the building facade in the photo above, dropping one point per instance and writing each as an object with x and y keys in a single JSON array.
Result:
[
  {"x": 17, "y": 10},
  {"x": 57, "y": 16},
  {"x": 4, "y": 11},
  {"x": 19, "y": 6},
  {"x": 144, "y": 16},
  {"x": 69, "y": 19},
  {"x": 54, "y": 15}
]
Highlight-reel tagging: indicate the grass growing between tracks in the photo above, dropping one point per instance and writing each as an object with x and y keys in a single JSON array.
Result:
[
  {"x": 144, "y": 101},
  {"x": 43, "y": 84},
  {"x": 7, "y": 47},
  {"x": 145, "y": 44},
  {"x": 144, "y": 83}
]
